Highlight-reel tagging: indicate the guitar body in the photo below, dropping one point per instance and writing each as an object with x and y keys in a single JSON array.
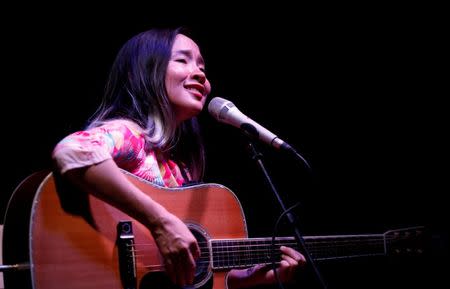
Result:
[
  {"x": 70, "y": 241},
  {"x": 63, "y": 238}
]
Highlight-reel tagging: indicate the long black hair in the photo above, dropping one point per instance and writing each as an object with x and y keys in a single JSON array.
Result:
[{"x": 136, "y": 90}]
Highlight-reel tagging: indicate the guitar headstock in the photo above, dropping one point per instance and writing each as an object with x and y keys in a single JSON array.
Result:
[{"x": 406, "y": 241}]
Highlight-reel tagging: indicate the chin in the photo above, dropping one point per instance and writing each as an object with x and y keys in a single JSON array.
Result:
[
  {"x": 193, "y": 112},
  {"x": 196, "y": 112},
  {"x": 197, "y": 107}
]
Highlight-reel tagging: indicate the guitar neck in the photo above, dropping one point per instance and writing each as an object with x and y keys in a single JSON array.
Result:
[{"x": 236, "y": 253}]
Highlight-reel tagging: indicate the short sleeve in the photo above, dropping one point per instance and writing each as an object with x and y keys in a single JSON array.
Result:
[{"x": 115, "y": 139}]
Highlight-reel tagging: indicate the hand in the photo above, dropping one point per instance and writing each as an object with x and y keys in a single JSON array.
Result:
[
  {"x": 291, "y": 260},
  {"x": 178, "y": 248}
]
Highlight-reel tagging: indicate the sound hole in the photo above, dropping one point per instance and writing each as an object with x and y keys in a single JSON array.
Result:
[{"x": 202, "y": 272}]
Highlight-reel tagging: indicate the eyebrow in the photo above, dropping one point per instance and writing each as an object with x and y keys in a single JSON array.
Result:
[{"x": 188, "y": 53}]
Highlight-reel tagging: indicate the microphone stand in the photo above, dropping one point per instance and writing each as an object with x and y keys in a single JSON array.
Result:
[{"x": 298, "y": 236}]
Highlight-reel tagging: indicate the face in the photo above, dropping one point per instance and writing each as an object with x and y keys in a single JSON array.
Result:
[{"x": 186, "y": 82}]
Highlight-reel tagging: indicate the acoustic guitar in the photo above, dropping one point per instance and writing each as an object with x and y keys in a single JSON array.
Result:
[{"x": 63, "y": 239}]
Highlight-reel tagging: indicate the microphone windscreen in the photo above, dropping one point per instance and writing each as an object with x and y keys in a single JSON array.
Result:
[{"x": 218, "y": 107}]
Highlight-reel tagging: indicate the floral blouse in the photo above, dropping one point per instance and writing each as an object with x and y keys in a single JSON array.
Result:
[{"x": 124, "y": 142}]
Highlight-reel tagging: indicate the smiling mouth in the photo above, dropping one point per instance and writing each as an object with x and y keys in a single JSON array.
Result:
[
  {"x": 195, "y": 87},
  {"x": 195, "y": 91}
]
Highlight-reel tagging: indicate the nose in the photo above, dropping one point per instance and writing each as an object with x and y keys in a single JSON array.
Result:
[{"x": 199, "y": 75}]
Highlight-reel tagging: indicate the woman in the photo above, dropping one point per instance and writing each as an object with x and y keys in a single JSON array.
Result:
[{"x": 146, "y": 124}]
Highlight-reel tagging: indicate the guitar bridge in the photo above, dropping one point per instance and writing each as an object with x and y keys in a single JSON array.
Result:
[{"x": 125, "y": 246}]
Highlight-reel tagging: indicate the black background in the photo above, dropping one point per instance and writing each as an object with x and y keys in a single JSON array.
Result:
[{"x": 357, "y": 90}]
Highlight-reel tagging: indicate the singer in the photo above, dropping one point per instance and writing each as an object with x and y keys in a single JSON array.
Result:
[{"x": 146, "y": 124}]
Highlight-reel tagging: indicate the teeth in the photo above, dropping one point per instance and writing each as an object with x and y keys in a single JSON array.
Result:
[{"x": 194, "y": 89}]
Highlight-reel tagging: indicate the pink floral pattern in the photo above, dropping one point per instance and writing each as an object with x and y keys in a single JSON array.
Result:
[{"x": 124, "y": 142}]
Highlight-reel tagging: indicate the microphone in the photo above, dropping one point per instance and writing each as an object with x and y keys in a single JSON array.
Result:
[{"x": 225, "y": 111}]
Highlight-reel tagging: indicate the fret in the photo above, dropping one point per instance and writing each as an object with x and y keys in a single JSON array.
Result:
[
  {"x": 334, "y": 247},
  {"x": 246, "y": 252},
  {"x": 240, "y": 253}
]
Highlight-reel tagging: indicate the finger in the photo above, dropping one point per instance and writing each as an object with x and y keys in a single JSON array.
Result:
[
  {"x": 195, "y": 250},
  {"x": 284, "y": 264},
  {"x": 294, "y": 254},
  {"x": 175, "y": 269},
  {"x": 290, "y": 269},
  {"x": 190, "y": 268},
  {"x": 169, "y": 268},
  {"x": 283, "y": 270},
  {"x": 291, "y": 261},
  {"x": 181, "y": 271}
]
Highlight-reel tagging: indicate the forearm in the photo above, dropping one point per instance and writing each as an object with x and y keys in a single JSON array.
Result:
[
  {"x": 176, "y": 243},
  {"x": 107, "y": 182}
]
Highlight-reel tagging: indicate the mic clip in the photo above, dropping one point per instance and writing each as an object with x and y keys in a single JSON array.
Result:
[{"x": 250, "y": 130}]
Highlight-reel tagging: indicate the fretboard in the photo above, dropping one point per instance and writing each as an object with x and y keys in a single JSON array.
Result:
[{"x": 239, "y": 253}]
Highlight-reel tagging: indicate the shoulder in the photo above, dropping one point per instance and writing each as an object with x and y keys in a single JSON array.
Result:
[{"x": 123, "y": 126}]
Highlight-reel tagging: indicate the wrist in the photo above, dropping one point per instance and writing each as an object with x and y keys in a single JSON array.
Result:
[{"x": 155, "y": 214}]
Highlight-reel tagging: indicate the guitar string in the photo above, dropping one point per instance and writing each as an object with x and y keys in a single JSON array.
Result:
[
  {"x": 226, "y": 245},
  {"x": 241, "y": 262},
  {"x": 311, "y": 243},
  {"x": 250, "y": 254},
  {"x": 219, "y": 248},
  {"x": 323, "y": 241},
  {"x": 308, "y": 242},
  {"x": 226, "y": 249},
  {"x": 259, "y": 255}
]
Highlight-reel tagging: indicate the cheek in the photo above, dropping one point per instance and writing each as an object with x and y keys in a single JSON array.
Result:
[
  {"x": 175, "y": 72},
  {"x": 174, "y": 76},
  {"x": 173, "y": 88},
  {"x": 208, "y": 87}
]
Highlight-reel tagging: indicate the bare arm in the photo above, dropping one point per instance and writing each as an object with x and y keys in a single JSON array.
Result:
[{"x": 176, "y": 243}]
